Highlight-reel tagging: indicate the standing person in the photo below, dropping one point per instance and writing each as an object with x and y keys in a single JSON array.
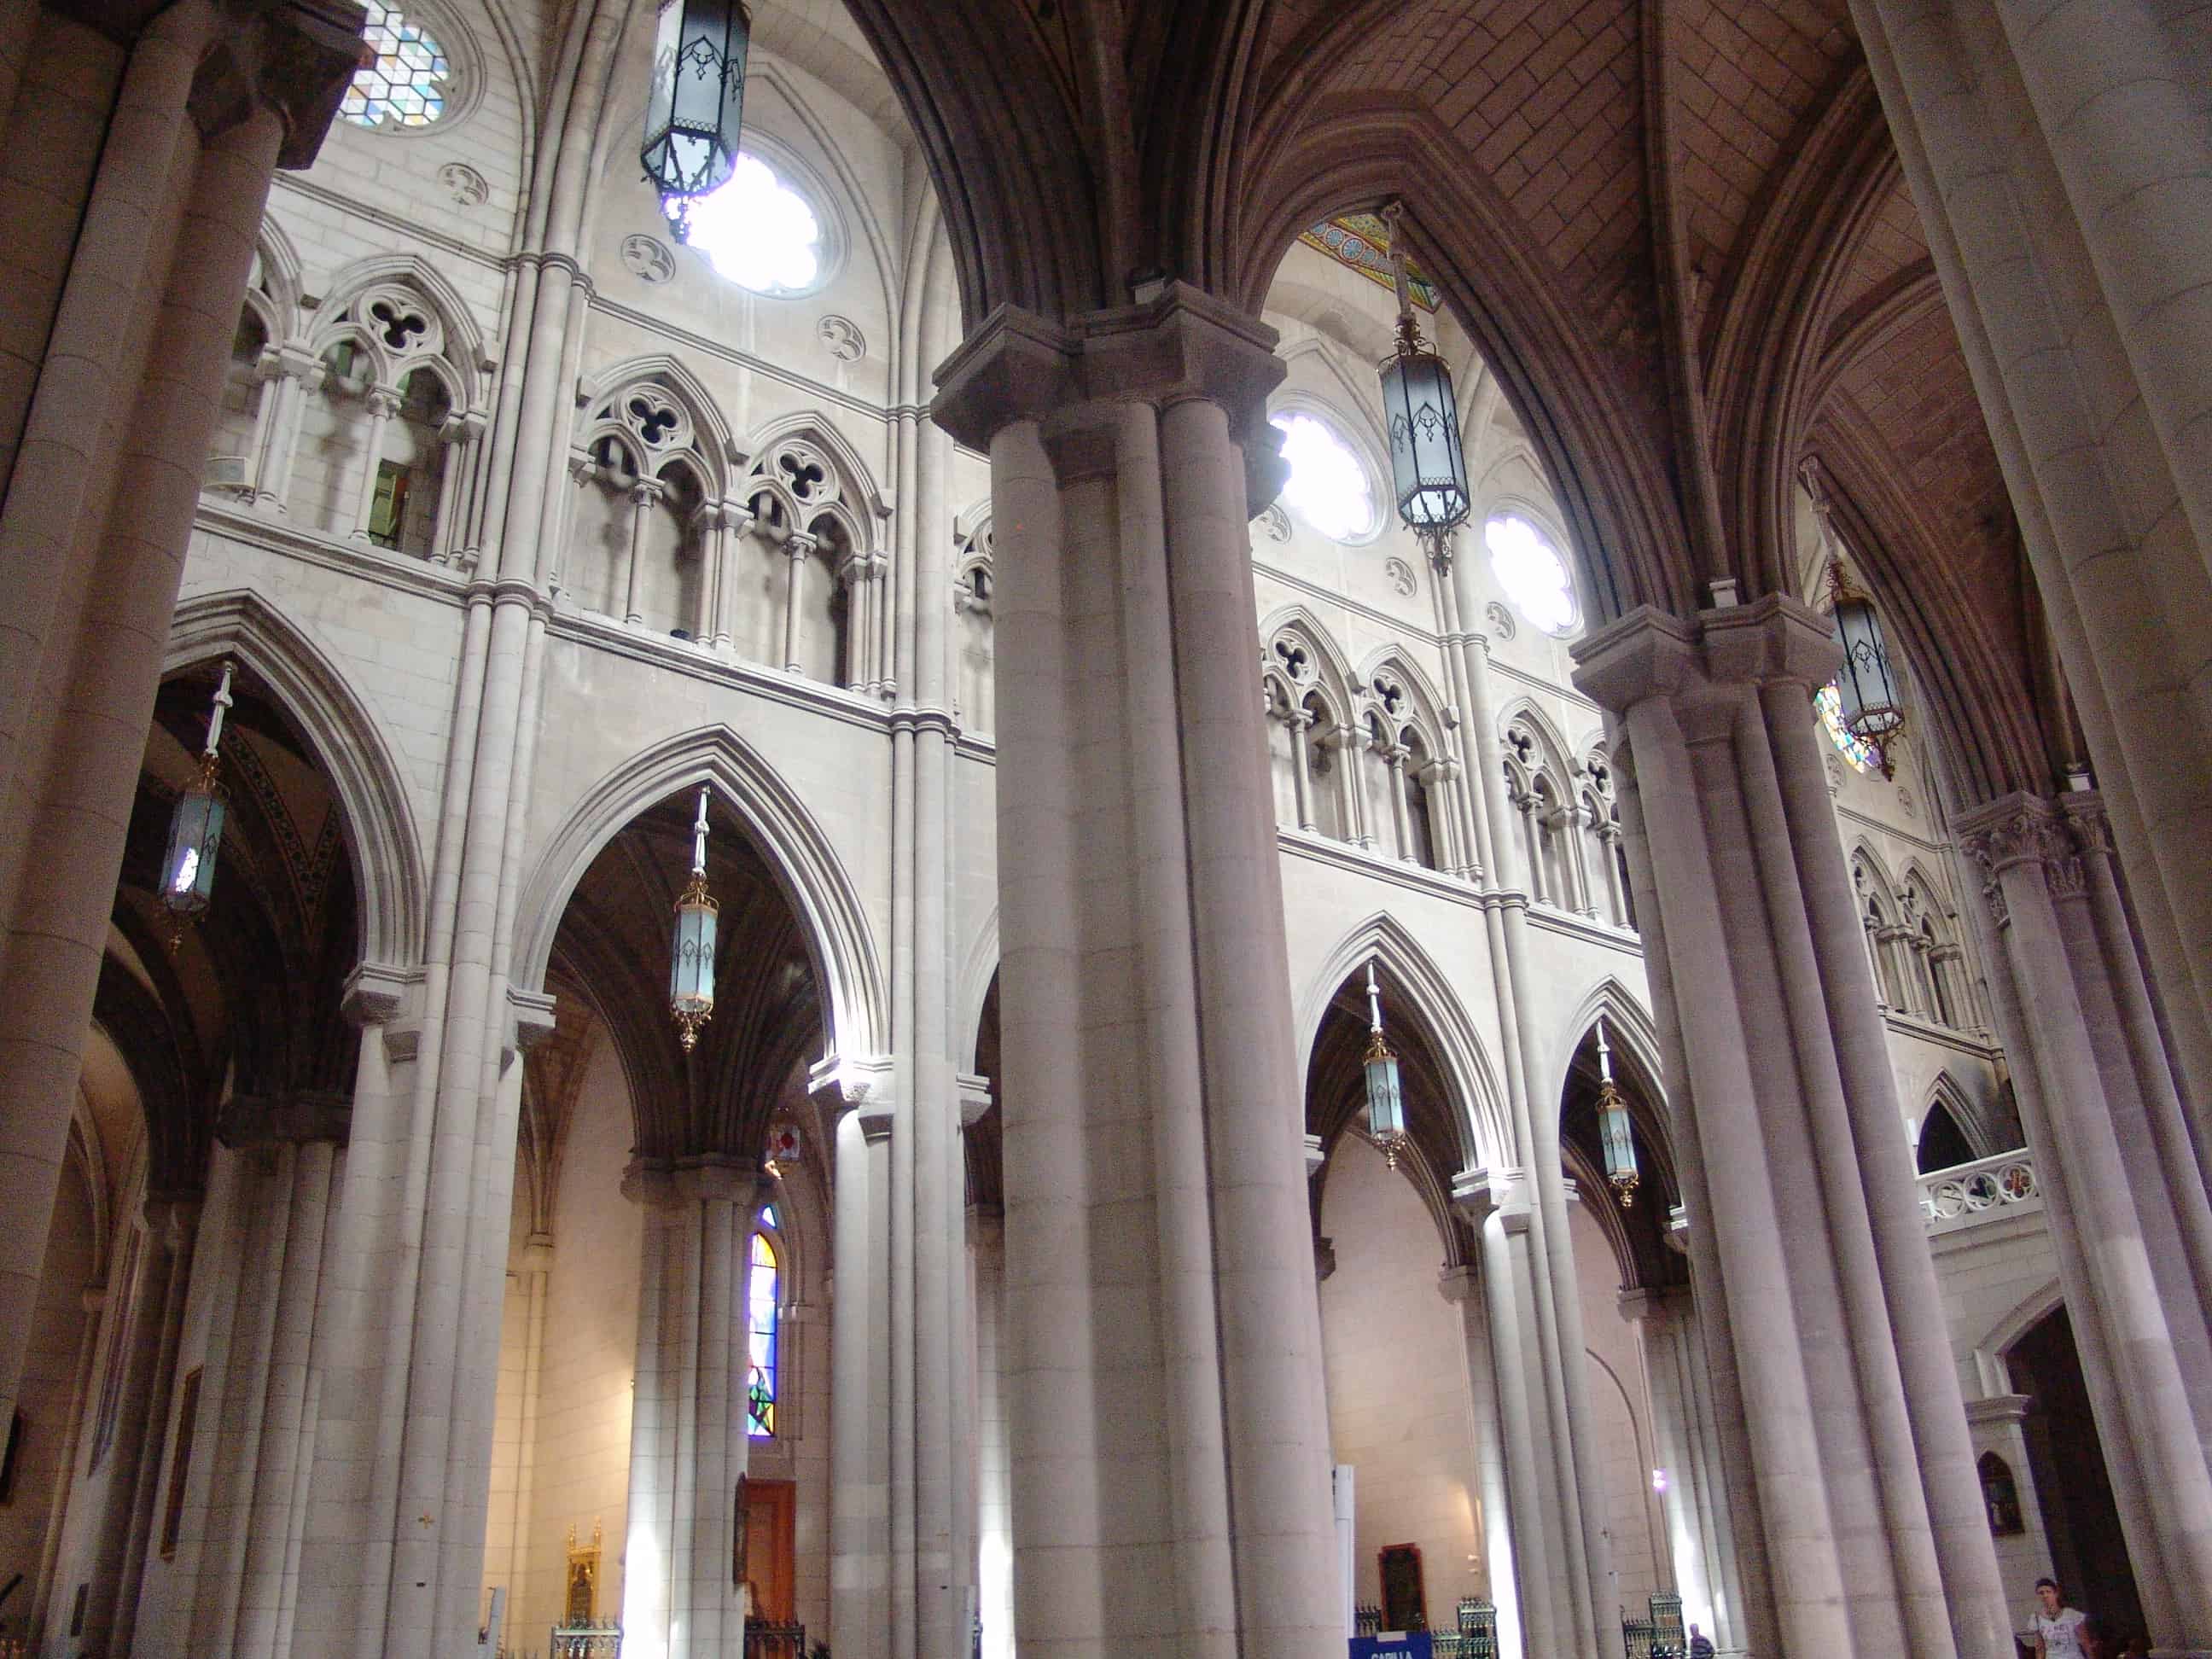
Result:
[
  {"x": 2061, "y": 1632},
  {"x": 1701, "y": 1647}
]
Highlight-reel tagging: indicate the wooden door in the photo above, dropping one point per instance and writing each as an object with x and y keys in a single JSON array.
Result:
[{"x": 770, "y": 1507}]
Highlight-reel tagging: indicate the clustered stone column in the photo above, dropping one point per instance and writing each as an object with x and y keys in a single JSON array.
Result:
[
  {"x": 1168, "y": 1436},
  {"x": 1685, "y": 1447},
  {"x": 689, "y": 1437},
  {"x": 2052, "y": 149},
  {"x": 94, "y": 528},
  {"x": 2122, "y": 1183},
  {"x": 1846, "y": 1448}
]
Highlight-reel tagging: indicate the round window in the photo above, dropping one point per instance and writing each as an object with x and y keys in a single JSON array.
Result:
[
  {"x": 759, "y": 232},
  {"x": 409, "y": 83},
  {"x": 1532, "y": 573},
  {"x": 1328, "y": 485}
]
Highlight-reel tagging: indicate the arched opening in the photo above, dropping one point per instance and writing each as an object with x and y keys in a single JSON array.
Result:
[
  {"x": 1380, "y": 1234},
  {"x": 666, "y": 1202},
  {"x": 1627, "y": 1257},
  {"x": 1943, "y": 1145},
  {"x": 2072, "y": 1484}
]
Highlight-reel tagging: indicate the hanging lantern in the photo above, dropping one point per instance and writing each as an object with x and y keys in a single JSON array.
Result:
[
  {"x": 691, "y": 965},
  {"x": 1428, "y": 466},
  {"x": 1386, "y": 1101},
  {"x": 1614, "y": 1133},
  {"x": 695, "y": 102},
  {"x": 196, "y": 828},
  {"x": 1873, "y": 708}
]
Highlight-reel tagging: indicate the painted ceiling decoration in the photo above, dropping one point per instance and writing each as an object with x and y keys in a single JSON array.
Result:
[{"x": 1363, "y": 242}]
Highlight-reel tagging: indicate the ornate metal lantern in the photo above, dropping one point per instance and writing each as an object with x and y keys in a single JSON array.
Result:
[
  {"x": 695, "y": 106},
  {"x": 1386, "y": 1100},
  {"x": 1872, "y": 708},
  {"x": 691, "y": 965},
  {"x": 196, "y": 828},
  {"x": 1428, "y": 465},
  {"x": 1614, "y": 1133}
]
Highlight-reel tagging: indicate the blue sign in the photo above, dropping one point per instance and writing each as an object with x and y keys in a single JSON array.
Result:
[{"x": 1394, "y": 1644}]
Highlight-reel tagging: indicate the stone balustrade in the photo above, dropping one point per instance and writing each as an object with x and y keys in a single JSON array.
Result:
[{"x": 1967, "y": 1193}]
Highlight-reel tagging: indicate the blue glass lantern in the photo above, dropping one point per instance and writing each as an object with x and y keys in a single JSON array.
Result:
[
  {"x": 1386, "y": 1098},
  {"x": 1420, "y": 412},
  {"x": 1616, "y": 1135},
  {"x": 696, "y": 103},
  {"x": 196, "y": 828},
  {"x": 691, "y": 965}
]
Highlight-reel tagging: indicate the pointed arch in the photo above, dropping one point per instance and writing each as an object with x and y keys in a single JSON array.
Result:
[
  {"x": 1947, "y": 1093},
  {"x": 1329, "y": 671},
  {"x": 856, "y": 503},
  {"x": 276, "y": 298},
  {"x": 1392, "y": 659},
  {"x": 1629, "y": 1025},
  {"x": 388, "y": 860},
  {"x": 979, "y": 968},
  {"x": 1484, "y": 1124},
  {"x": 2023, "y": 1316},
  {"x": 821, "y": 892},
  {"x": 457, "y": 356},
  {"x": 713, "y": 442},
  {"x": 1550, "y": 748},
  {"x": 1866, "y": 861}
]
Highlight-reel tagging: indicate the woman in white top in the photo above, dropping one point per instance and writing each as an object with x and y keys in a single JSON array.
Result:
[{"x": 2061, "y": 1632}]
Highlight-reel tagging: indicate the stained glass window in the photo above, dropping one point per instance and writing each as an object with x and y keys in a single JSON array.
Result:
[
  {"x": 758, "y": 232},
  {"x": 1328, "y": 485},
  {"x": 760, "y": 1376},
  {"x": 1532, "y": 573},
  {"x": 407, "y": 84},
  {"x": 1866, "y": 756}
]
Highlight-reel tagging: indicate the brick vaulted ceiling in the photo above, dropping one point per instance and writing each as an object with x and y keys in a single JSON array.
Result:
[{"x": 1675, "y": 228}]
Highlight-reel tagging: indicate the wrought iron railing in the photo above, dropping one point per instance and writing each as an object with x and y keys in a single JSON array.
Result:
[
  {"x": 1968, "y": 1192},
  {"x": 586, "y": 1642}
]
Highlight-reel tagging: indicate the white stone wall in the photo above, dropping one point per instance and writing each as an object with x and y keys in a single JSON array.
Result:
[{"x": 1399, "y": 1409}]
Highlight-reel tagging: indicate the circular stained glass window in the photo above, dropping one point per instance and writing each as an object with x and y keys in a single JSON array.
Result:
[
  {"x": 410, "y": 81},
  {"x": 1328, "y": 485},
  {"x": 1532, "y": 573},
  {"x": 1864, "y": 755},
  {"x": 758, "y": 232}
]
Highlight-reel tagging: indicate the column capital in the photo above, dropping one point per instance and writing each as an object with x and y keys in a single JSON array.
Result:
[
  {"x": 1999, "y": 1408},
  {"x": 1476, "y": 1193},
  {"x": 295, "y": 59},
  {"x": 646, "y": 492},
  {"x": 1181, "y": 344},
  {"x": 670, "y": 1183},
  {"x": 861, "y": 1084},
  {"x": 1656, "y": 1305},
  {"x": 2017, "y": 831},
  {"x": 1650, "y": 653}
]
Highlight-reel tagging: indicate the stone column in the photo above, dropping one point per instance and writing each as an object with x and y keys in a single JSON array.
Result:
[
  {"x": 1699, "y": 1528},
  {"x": 156, "y": 1317},
  {"x": 383, "y": 403},
  {"x": 1501, "y": 1567},
  {"x": 994, "y": 1567},
  {"x": 116, "y": 441},
  {"x": 2123, "y": 1190},
  {"x": 1826, "y": 1295},
  {"x": 1300, "y": 720},
  {"x": 798, "y": 548},
  {"x": 2051, "y": 150},
  {"x": 456, "y": 437},
  {"x": 644, "y": 495},
  {"x": 688, "y": 1441},
  {"x": 859, "y": 1387},
  {"x": 1170, "y": 1437}
]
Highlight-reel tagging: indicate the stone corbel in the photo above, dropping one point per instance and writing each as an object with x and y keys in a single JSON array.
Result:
[
  {"x": 975, "y": 1098},
  {"x": 862, "y": 1084},
  {"x": 530, "y": 1022},
  {"x": 1478, "y": 1193},
  {"x": 387, "y": 997}
]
